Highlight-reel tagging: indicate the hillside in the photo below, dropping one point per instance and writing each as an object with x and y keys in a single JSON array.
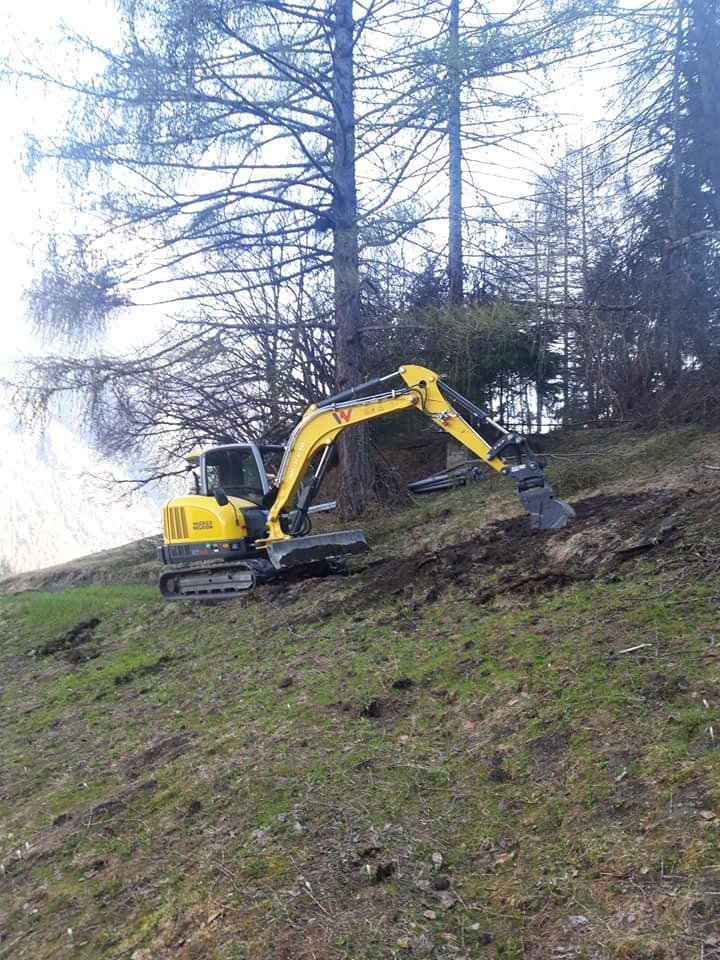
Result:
[{"x": 483, "y": 743}]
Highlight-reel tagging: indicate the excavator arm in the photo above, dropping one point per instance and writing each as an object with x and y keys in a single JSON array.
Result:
[{"x": 422, "y": 389}]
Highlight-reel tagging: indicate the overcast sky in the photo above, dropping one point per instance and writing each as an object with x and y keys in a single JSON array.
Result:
[{"x": 29, "y": 209}]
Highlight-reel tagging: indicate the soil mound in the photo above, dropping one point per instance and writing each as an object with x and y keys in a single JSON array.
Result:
[{"x": 609, "y": 530}]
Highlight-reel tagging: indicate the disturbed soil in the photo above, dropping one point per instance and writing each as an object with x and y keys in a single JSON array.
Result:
[
  {"x": 505, "y": 555},
  {"x": 609, "y": 530}
]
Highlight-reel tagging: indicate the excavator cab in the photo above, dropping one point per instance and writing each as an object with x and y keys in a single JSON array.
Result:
[
  {"x": 241, "y": 470},
  {"x": 237, "y": 470}
]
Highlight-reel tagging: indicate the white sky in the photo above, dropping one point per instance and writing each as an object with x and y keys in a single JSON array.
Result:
[{"x": 29, "y": 209}]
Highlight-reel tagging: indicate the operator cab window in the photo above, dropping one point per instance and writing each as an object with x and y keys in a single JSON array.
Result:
[
  {"x": 235, "y": 470},
  {"x": 272, "y": 455}
]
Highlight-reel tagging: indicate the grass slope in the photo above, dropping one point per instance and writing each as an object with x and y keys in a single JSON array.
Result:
[{"x": 484, "y": 743}]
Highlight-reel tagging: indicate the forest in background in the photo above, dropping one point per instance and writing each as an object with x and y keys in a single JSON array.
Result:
[{"x": 317, "y": 192}]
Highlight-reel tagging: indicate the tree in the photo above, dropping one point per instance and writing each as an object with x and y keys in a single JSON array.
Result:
[
  {"x": 454, "y": 135},
  {"x": 356, "y": 472},
  {"x": 246, "y": 370},
  {"x": 552, "y": 247},
  {"x": 477, "y": 82},
  {"x": 216, "y": 131},
  {"x": 671, "y": 132}
]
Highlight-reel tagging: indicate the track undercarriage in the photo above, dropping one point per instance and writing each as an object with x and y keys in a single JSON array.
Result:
[
  {"x": 216, "y": 582},
  {"x": 223, "y": 581}
]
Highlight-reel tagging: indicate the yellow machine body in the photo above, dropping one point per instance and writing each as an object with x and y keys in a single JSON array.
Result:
[{"x": 203, "y": 529}]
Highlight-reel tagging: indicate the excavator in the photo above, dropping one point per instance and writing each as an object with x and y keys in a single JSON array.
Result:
[{"x": 249, "y": 519}]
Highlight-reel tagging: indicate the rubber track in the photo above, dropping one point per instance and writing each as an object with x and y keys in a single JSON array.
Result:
[{"x": 208, "y": 583}]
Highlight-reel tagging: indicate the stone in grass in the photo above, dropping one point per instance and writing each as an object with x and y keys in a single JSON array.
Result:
[{"x": 446, "y": 898}]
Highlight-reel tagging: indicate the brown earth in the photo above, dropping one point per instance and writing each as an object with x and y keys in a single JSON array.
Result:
[{"x": 609, "y": 530}]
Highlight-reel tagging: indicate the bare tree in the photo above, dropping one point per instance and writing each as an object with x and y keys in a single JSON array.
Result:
[{"x": 215, "y": 131}]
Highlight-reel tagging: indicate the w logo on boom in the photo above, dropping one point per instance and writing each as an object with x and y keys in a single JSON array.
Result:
[{"x": 342, "y": 416}]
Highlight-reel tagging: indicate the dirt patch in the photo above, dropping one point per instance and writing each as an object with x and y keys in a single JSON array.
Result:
[
  {"x": 629, "y": 794},
  {"x": 46, "y": 842},
  {"x": 73, "y": 638},
  {"x": 664, "y": 686},
  {"x": 609, "y": 531},
  {"x": 161, "y": 751},
  {"x": 550, "y": 744},
  {"x": 617, "y": 762},
  {"x": 382, "y": 708},
  {"x": 108, "y": 809},
  {"x": 144, "y": 670}
]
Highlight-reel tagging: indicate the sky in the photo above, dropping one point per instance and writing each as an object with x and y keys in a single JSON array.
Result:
[{"x": 30, "y": 208}]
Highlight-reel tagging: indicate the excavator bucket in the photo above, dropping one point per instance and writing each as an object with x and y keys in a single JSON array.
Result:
[
  {"x": 546, "y": 512},
  {"x": 300, "y": 551}
]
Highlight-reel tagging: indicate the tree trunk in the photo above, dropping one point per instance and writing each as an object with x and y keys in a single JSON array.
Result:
[
  {"x": 566, "y": 295},
  {"x": 355, "y": 468},
  {"x": 536, "y": 291},
  {"x": 673, "y": 268},
  {"x": 455, "y": 260},
  {"x": 707, "y": 40},
  {"x": 593, "y": 357}
]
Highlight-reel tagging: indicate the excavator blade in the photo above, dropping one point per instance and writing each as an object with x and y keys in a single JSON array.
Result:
[
  {"x": 546, "y": 512},
  {"x": 298, "y": 552}
]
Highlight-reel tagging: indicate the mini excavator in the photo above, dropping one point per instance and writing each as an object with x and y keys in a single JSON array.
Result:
[{"x": 239, "y": 529}]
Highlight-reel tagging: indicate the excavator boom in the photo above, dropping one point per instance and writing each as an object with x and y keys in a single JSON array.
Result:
[{"x": 508, "y": 453}]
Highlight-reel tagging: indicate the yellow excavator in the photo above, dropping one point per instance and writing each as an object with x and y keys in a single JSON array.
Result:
[{"x": 239, "y": 528}]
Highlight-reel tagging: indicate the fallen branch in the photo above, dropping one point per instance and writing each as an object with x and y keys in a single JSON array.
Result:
[{"x": 638, "y": 646}]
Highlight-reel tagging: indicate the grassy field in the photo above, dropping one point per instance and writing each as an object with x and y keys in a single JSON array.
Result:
[{"x": 483, "y": 743}]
